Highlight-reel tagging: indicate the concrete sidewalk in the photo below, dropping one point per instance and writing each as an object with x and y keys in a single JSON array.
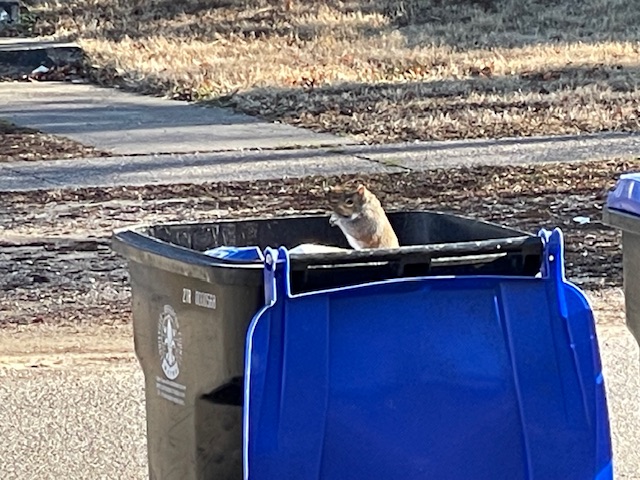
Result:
[
  {"x": 127, "y": 124},
  {"x": 276, "y": 164},
  {"x": 172, "y": 169},
  {"x": 159, "y": 141}
]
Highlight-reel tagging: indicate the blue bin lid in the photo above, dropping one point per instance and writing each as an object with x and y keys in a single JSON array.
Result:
[
  {"x": 626, "y": 195},
  {"x": 453, "y": 377}
]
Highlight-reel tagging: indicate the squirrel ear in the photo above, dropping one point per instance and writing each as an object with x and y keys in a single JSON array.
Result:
[{"x": 360, "y": 189}]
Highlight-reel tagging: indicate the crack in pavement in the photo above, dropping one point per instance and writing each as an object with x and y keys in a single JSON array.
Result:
[
  {"x": 385, "y": 163},
  {"x": 27, "y": 176}
]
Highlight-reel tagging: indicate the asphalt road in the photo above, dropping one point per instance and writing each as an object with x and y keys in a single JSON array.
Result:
[
  {"x": 88, "y": 422},
  {"x": 621, "y": 365},
  {"x": 73, "y": 423}
]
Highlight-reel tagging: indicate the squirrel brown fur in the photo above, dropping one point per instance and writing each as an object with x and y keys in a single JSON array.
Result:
[{"x": 360, "y": 216}]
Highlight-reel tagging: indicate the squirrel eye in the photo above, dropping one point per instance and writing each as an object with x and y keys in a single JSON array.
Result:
[{"x": 349, "y": 202}]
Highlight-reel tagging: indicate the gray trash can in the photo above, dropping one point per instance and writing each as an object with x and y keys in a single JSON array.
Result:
[
  {"x": 622, "y": 211},
  {"x": 191, "y": 312}
]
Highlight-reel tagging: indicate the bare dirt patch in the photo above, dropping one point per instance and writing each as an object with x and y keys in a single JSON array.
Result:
[
  {"x": 26, "y": 144},
  {"x": 55, "y": 346},
  {"x": 56, "y": 266},
  {"x": 379, "y": 70},
  {"x": 608, "y": 305}
]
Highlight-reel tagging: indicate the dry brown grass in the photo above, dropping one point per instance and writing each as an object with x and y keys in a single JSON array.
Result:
[{"x": 380, "y": 70}]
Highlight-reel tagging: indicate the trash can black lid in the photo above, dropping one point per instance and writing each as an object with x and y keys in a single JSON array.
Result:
[{"x": 626, "y": 196}]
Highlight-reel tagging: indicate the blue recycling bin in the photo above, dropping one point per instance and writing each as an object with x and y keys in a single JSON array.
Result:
[{"x": 436, "y": 377}]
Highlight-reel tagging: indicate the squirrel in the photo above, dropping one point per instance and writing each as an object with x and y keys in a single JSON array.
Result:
[{"x": 361, "y": 218}]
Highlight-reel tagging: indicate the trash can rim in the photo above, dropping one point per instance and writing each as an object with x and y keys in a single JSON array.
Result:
[
  {"x": 213, "y": 261},
  {"x": 138, "y": 245},
  {"x": 389, "y": 212},
  {"x": 205, "y": 260},
  {"x": 621, "y": 219},
  {"x": 147, "y": 250}
]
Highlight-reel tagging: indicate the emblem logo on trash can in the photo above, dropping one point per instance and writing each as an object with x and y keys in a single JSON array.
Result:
[{"x": 169, "y": 342}]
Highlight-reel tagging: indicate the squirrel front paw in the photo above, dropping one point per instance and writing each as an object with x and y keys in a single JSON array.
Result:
[{"x": 333, "y": 219}]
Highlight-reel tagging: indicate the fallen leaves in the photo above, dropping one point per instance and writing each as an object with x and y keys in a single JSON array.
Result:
[{"x": 25, "y": 144}]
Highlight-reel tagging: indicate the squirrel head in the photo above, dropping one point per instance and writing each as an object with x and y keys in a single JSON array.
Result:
[{"x": 345, "y": 200}]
